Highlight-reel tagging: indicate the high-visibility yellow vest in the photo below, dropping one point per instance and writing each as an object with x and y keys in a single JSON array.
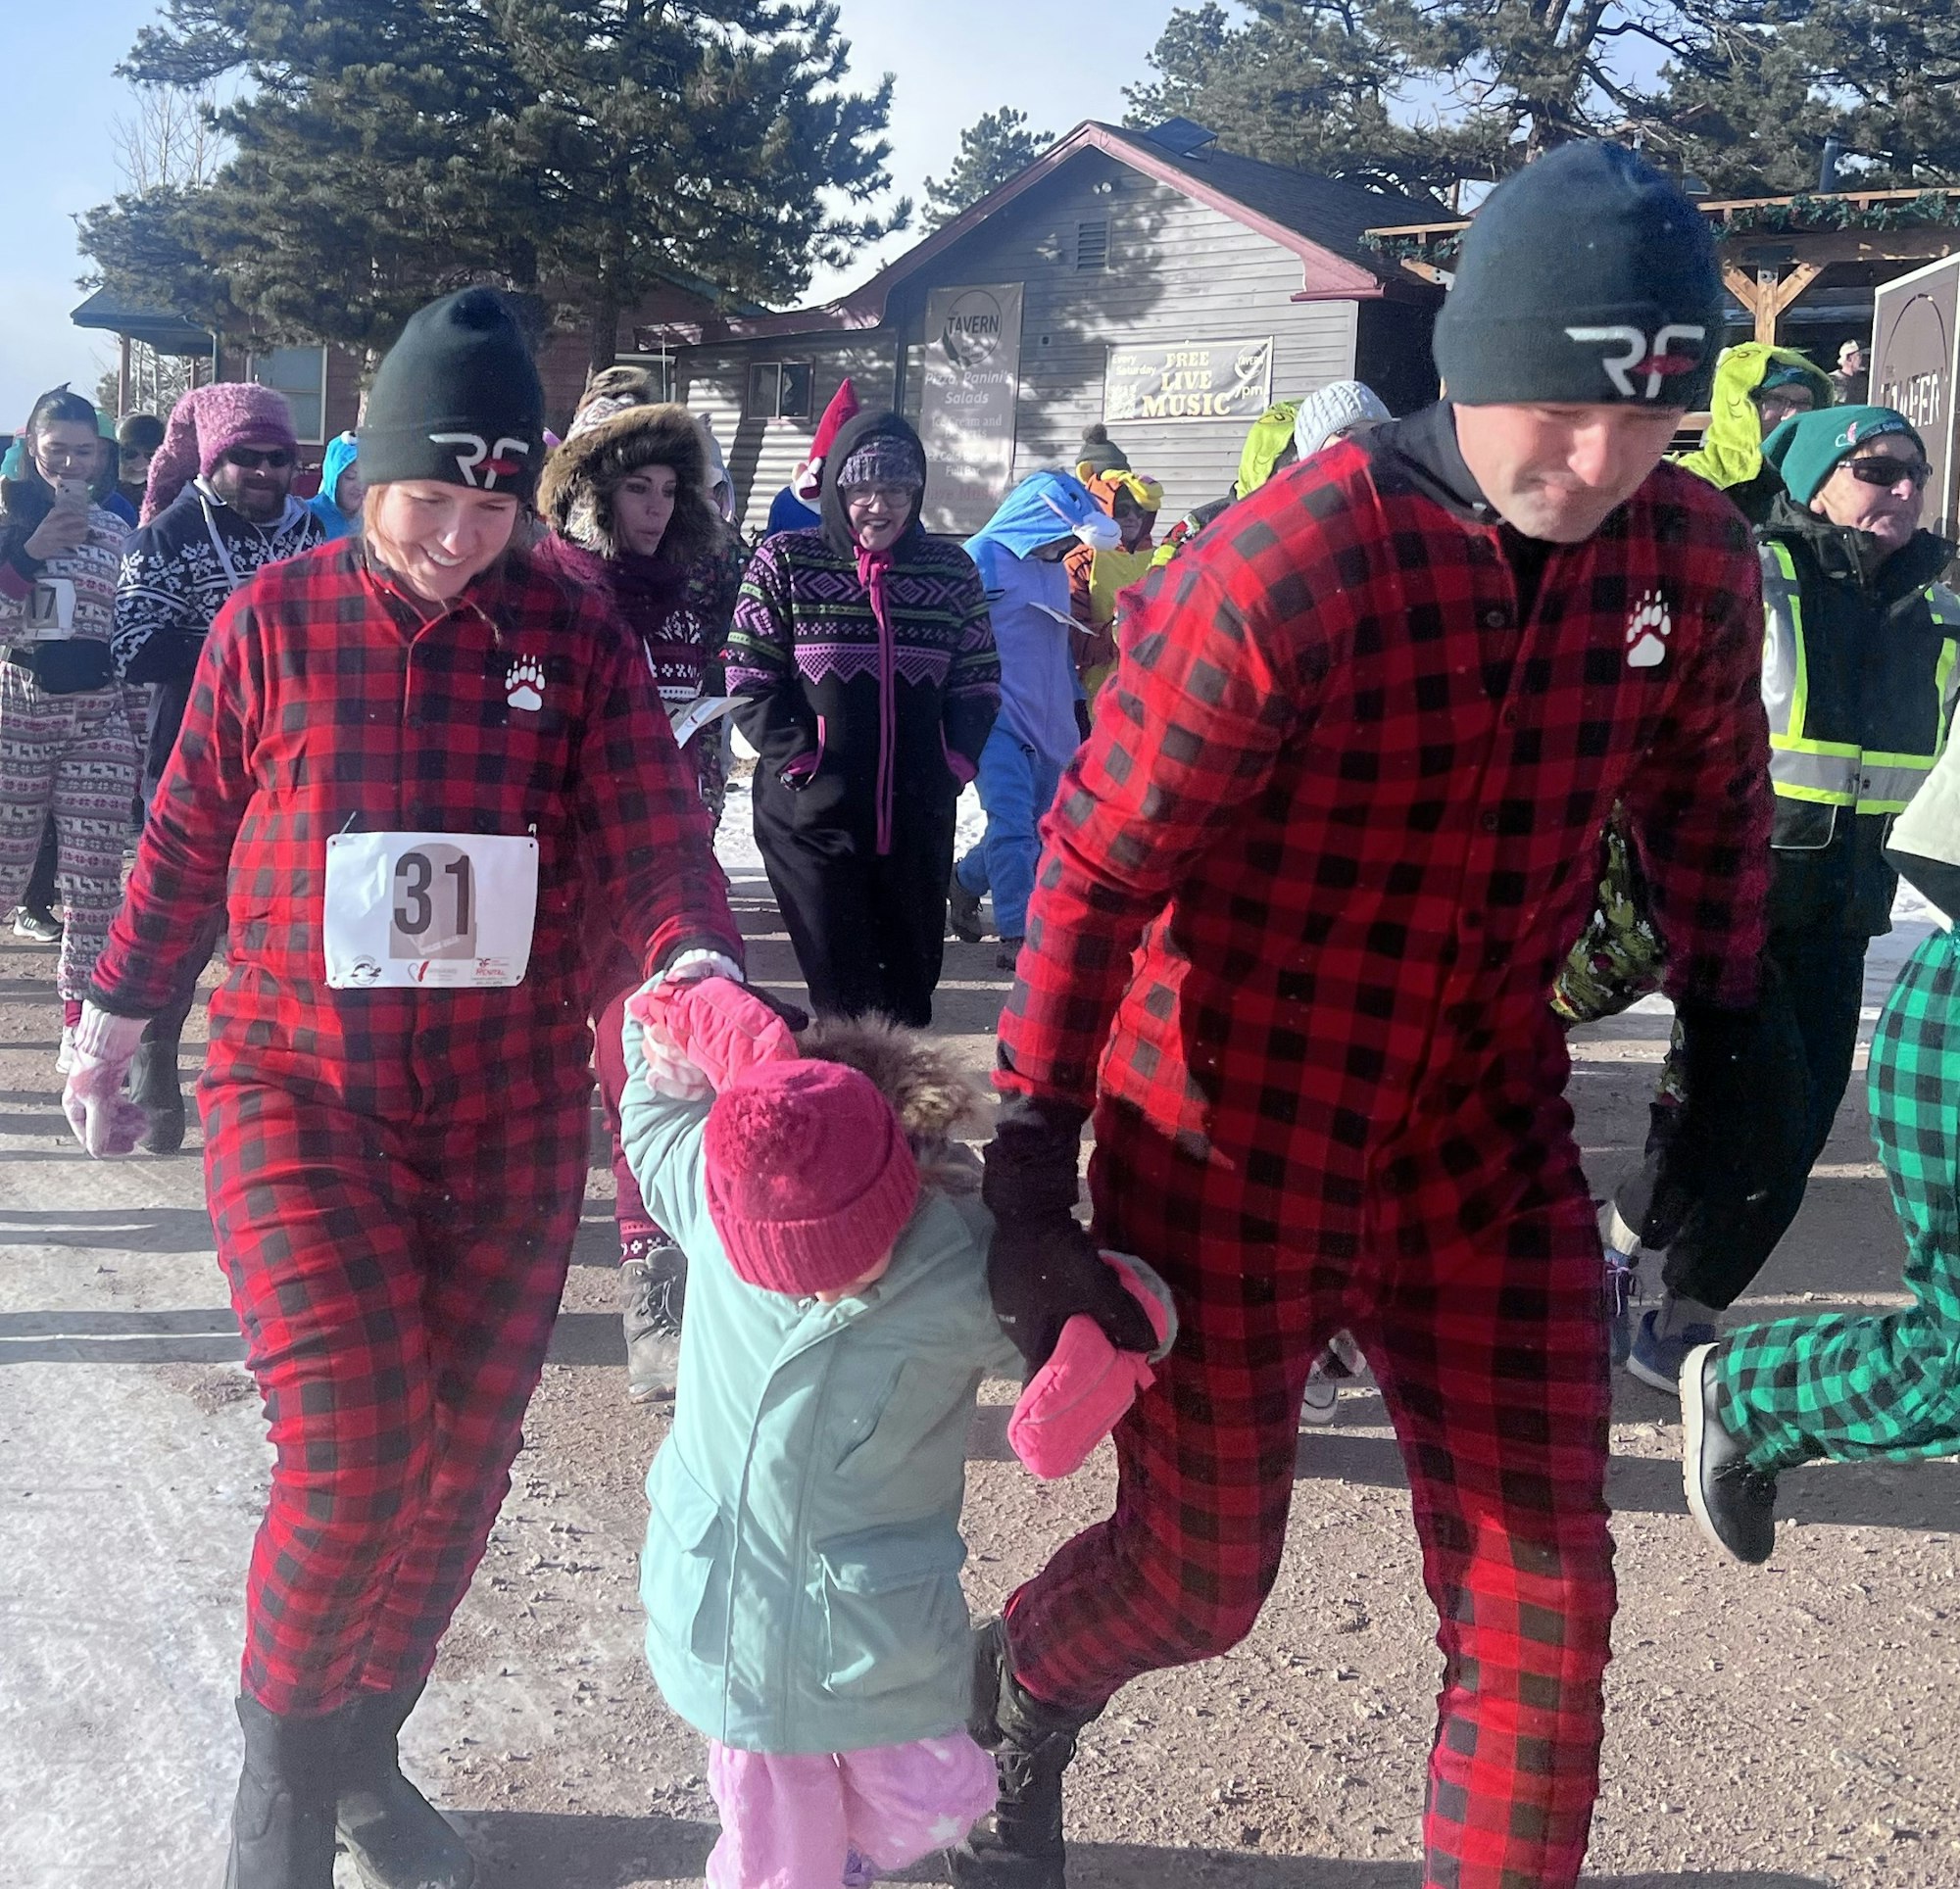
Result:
[{"x": 1830, "y": 773}]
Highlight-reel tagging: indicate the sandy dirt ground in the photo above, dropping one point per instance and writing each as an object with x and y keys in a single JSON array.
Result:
[{"x": 1773, "y": 1730}]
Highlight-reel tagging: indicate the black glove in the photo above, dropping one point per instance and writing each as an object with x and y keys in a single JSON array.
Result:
[
  {"x": 1042, "y": 1268},
  {"x": 1745, "y": 1123},
  {"x": 796, "y": 1018}
]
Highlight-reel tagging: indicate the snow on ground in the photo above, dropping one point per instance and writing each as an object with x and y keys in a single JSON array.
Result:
[{"x": 735, "y": 840}]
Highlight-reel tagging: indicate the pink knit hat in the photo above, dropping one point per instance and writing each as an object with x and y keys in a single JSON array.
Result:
[
  {"x": 205, "y": 425},
  {"x": 810, "y": 1177}
]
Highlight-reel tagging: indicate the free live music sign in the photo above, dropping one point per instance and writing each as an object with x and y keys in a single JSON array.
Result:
[{"x": 1189, "y": 380}]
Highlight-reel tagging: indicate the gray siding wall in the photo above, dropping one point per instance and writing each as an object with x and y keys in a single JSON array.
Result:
[
  {"x": 762, "y": 453},
  {"x": 1177, "y": 271}
]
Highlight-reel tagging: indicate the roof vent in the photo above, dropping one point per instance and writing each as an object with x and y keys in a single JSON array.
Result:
[
  {"x": 1092, "y": 244},
  {"x": 1182, "y": 137}
]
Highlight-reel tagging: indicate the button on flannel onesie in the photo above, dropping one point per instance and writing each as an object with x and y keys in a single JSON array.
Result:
[
  {"x": 395, "y": 1175},
  {"x": 1303, "y": 893}
]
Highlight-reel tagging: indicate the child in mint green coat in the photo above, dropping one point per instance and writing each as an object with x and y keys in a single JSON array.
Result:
[{"x": 801, "y": 1571}]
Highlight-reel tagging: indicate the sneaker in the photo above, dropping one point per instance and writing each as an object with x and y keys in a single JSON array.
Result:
[
  {"x": 1320, "y": 1402},
  {"x": 43, "y": 926},
  {"x": 64, "y": 1055},
  {"x": 1020, "y": 1846},
  {"x": 963, "y": 912},
  {"x": 1622, "y": 1282},
  {"x": 1733, "y": 1504},
  {"x": 1011, "y": 953},
  {"x": 653, "y": 1282},
  {"x": 1656, "y": 1357}
]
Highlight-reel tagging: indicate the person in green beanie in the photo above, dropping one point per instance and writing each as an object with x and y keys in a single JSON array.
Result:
[{"x": 1859, "y": 678}]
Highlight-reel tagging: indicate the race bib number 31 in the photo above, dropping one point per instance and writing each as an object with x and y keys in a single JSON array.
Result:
[{"x": 440, "y": 911}]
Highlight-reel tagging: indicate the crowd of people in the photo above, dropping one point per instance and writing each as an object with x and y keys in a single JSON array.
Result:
[{"x": 1291, "y": 823}]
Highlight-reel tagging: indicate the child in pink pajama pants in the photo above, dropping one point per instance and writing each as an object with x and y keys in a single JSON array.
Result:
[{"x": 785, "y": 1819}]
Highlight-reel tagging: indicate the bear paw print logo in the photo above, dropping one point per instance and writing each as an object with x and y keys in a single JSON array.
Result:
[
  {"x": 525, "y": 686},
  {"x": 1647, "y": 631}
]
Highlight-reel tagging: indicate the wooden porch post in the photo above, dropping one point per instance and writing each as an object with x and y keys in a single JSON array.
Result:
[
  {"x": 1769, "y": 292},
  {"x": 122, "y": 377}
]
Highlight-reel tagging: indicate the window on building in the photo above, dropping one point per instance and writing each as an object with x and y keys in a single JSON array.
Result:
[
  {"x": 780, "y": 390},
  {"x": 1092, "y": 244},
  {"x": 658, "y": 369},
  {"x": 300, "y": 373}
]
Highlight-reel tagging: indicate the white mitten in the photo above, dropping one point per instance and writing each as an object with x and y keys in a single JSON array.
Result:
[{"x": 105, "y": 1122}]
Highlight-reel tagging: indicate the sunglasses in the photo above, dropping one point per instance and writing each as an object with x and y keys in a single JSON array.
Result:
[
  {"x": 1885, "y": 471},
  {"x": 249, "y": 459}
]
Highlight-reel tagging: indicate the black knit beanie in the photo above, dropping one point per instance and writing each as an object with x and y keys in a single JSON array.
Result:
[
  {"x": 457, "y": 400},
  {"x": 1587, "y": 279}
]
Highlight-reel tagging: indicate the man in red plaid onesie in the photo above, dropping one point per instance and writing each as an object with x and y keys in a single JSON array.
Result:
[
  {"x": 406, "y": 756},
  {"x": 1303, "y": 893}
]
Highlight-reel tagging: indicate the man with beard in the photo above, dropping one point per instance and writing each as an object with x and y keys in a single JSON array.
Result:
[{"x": 218, "y": 507}]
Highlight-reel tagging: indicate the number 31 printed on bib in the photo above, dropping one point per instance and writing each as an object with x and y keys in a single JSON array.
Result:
[{"x": 429, "y": 910}]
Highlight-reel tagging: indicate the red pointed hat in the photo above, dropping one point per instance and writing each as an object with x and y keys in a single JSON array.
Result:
[{"x": 841, "y": 412}]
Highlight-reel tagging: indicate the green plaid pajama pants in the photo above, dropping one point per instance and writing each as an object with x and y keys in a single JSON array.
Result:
[{"x": 1888, "y": 1387}]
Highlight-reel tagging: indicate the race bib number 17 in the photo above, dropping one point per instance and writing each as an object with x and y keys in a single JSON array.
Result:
[{"x": 440, "y": 911}]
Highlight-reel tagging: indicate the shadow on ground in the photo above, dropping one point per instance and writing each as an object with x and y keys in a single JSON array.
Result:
[{"x": 521, "y": 1850}]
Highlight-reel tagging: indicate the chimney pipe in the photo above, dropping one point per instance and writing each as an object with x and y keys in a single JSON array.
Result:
[{"x": 1827, "y": 170}]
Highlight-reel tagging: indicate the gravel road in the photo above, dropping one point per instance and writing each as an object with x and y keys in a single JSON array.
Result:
[{"x": 1771, "y": 1730}]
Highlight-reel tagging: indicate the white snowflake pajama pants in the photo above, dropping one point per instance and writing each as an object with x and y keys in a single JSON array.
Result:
[
  {"x": 818, "y": 1821},
  {"x": 74, "y": 754}
]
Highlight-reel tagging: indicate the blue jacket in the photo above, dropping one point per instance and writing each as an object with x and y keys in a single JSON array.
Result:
[
  {"x": 341, "y": 453},
  {"x": 802, "y": 1569},
  {"x": 788, "y": 513}
]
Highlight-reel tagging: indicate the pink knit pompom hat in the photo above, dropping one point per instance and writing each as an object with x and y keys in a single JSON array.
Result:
[
  {"x": 205, "y": 425},
  {"x": 811, "y": 1178}
]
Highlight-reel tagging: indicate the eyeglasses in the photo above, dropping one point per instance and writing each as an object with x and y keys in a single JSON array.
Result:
[
  {"x": 249, "y": 459},
  {"x": 1885, "y": 471}
]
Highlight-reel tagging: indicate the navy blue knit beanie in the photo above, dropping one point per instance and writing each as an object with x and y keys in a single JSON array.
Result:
[{"x": 1587, "y": 279}]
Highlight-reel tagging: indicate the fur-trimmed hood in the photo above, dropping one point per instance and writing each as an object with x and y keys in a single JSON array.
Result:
[
  {"x": 575, "y": 493},
  {"x": 919, "y": 1076}
]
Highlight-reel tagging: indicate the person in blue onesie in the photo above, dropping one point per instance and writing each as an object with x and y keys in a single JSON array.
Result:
[{"x": 1019, "y": 552}]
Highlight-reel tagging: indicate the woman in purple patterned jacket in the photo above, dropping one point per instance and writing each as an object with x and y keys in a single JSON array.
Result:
[{"x": 867, "y": 662}]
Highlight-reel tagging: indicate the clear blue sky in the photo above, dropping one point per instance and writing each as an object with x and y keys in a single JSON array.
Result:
[{"x": 1057, "y": 63}]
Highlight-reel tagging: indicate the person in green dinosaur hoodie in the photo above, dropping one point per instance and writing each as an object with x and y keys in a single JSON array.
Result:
[
  {"x": 1618, "y": 958},
  {"x": 1757, "y": 387}
]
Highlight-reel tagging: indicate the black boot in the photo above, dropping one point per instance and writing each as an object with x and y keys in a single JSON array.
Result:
[
  {"x": 396, "y": 1836},
  {"x": 153, "y": 1087},
  {"x": 282, "y": 1823},
  {"x": 962, "y": 911},
  {"x": 1021, "y": 1846}
]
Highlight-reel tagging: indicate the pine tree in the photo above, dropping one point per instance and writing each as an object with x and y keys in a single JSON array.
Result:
[
  {"x": 1420, "y": 93},
  {"x": 579, "y": 150},
  {"x": 994, "y": 147}
]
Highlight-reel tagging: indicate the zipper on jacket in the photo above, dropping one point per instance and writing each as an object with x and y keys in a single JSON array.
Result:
[{"x": 799, "y": 1590}]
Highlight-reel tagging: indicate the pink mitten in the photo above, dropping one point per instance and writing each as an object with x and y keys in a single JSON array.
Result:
[
  {"x": 1076, "y": 1399},
  {"x": 723, "y": 1029}
]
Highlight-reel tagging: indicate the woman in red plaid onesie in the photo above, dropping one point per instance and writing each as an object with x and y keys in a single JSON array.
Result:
[
  {"x": 1302, "y": 893},
  {"x": 407, "y": 755}
]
